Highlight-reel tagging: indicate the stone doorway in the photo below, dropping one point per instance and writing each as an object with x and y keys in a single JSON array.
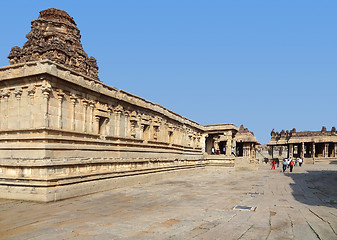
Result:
[
  {"x": 239, "y": 149},
  {"x": 222, "y": 144},
  {"x": 319, "y": 150}
]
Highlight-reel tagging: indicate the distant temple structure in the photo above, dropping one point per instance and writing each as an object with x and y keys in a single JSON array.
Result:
[
  {"x": 309, "y": 145},
  {"x": 64, "y": 133}
]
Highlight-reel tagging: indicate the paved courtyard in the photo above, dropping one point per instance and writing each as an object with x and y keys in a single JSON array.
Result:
[{"x": 296, "y": 205}]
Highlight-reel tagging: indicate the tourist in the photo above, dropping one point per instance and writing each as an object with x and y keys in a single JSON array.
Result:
[
  {"x": 213, "y": 151},
  {"x": 296, "y": 161},
  {"x": 288, "y": 162},
  {"x": 224, "y": 150},
  {"x": 300, "y": 161},
  {"x": 278, "y": 162},
  {"x": 272, "y": 164},
  {"x": 291, "y": 164},
  {"x": 233, "y": 151},
  {"x": 284, "y": 163}
]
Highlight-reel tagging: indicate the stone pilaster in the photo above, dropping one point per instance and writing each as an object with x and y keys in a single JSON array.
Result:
[
  {"x": 96, "y": 123},
  {"x": 5, "y": 96},
  {"x": 91, "y": 117},
  {"x": 85, "y": 103},
  {"x": 73, "y": 101},
  {"x": 109, "y": 121},
  {"x": 18, "y": 95},
  {"x": 60, "y": 97},
  {"x": 31, "y": 94},
  {"x": 46, "y": 92}
]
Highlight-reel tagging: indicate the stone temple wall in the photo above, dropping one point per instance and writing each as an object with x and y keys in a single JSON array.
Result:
[
  {"x": 64, "y": 133},
  {"x": 61, "y": 130}
]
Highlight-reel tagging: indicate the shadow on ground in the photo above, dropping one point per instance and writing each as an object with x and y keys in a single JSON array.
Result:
[{"x": 318, "y": 188}]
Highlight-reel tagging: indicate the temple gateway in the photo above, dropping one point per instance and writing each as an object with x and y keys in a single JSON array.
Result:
[
  {"x": 64, "y": 133},
  {"x": 309, "y": 145}
]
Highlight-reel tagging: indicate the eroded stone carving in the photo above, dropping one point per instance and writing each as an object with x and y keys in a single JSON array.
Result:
[{"x": 54, "y": 36}]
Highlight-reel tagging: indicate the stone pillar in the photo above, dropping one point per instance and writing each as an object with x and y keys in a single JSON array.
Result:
[
  {"x": 141, "y": 131},
  {"x": 73, "y": 117},
  {"x": 229, "y": 147},
  {"x": 126, "y": 124},
  {"x": 302, "y": 152},
  {"x": 85, "y": 117},
  {"x": 291, "y": 150},
  {"x": 31, "y": 93},
  {"x": 118, "y": 119},
  {"x": 313, "y": 150},
  {"x": 60, "y": 96},
  {"x": 18, "y": 94},
  {"x": 5, "y": 96},
  {"x": 91, "y": 117},
  {"x": 335, "y": 148},
  {"x": 96, "y": 123},
  {"x": 109, "y": 122},
  {"x": 326, "y": 150},
  {"x": 46, "y": 91}
]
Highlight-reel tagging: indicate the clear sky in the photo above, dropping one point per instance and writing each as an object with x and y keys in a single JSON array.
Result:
[{"x": 265, "y": 64}]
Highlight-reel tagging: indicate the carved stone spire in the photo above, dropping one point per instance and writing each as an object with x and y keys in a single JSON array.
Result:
[{"x": 54, "y": 36}]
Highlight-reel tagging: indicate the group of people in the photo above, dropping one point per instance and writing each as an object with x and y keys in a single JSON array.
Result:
[{"x": 287, "y": 163}]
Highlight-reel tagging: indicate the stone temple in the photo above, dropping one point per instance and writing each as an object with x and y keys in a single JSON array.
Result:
[{"x": 64, "y": 133}]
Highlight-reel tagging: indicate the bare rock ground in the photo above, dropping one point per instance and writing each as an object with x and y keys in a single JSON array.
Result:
[{"x": 298, "y": 205}]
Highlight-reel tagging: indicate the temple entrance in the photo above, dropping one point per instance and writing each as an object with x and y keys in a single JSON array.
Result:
[
  {"x": 239, "y": 149},
  {"x": 222, "y": 145},
  {"x": 331, "y": 150},
  {"x": 319, "y": 150},
  {"x": 297, "y": 150},
  {"x": 209, "y": 143},
  {"x": 307, "y": 150}
]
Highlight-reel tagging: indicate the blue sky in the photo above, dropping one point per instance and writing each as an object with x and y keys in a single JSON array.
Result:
[{"x": 265, "y": 64}]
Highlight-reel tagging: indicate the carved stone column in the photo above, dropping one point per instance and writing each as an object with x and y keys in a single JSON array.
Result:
[
  {"x": 335, "y": 152},
  {"x": 60, "y": 97},
  {"x": 97, "y": 118},
  {"x": 326, "y": 150},
  {"x": 18, "y": 94},
  {"x": 73, "y": 100},
  {"x": 229, "y": 147},
  {"x": 302, "y": 152},
  {"x": 31, "y": 93},
  {"x": 5, "y": 96},
  {"x": 109, "y": 122},
  {"x": 91, "y": 117},
  {"x": 313, "y": 150},
  {"x": 46, "y": 91},
  {"x": 126, "y": 123},
  {"x": 85, "y": 116},
  {"x": 118, "y": 121},
  {"x": 291, "y": 150}
]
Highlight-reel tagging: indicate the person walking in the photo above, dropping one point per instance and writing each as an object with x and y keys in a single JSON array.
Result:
[
  {"x": 272, "y": 164},
  {"x": 291, "y": 165},
  {"x": 284, "y": 164},
  {"x": 300, "y": 161}
]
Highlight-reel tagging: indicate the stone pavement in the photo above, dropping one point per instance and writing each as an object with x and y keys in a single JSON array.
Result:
[{"x": 296, "y": 205}]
